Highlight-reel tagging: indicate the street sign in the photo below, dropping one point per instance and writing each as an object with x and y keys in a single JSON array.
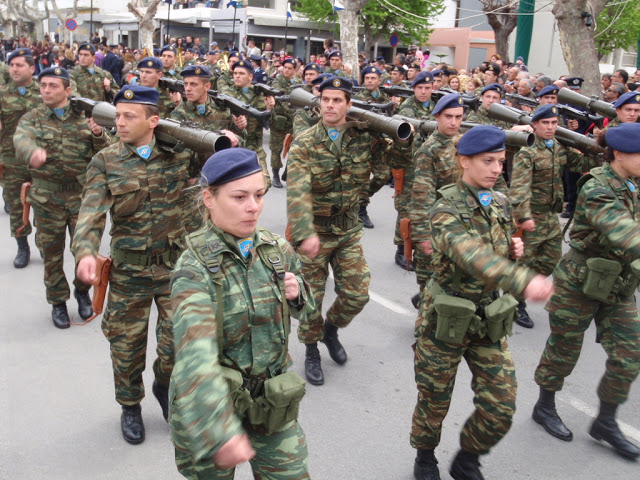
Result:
[
  {"x": 393, "y": 41},
  {"x": 71, "y": 24}
]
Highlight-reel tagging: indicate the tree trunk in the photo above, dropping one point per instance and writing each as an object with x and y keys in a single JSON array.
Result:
[
  {"x": 349, "y": 34},
  {"x": 146, "y": 22},
  {"x": 577, "y": 42},
  {"x": 502, "y": 26}
]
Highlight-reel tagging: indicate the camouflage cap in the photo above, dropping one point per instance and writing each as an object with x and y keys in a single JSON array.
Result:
[{"x": 482, "y": 139}]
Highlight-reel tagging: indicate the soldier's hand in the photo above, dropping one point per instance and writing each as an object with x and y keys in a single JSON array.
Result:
[
  {"x": 572, "y": 124},
  {"x": 310, "y": 246},
  {"x": 517, "y": 247},
  {"x": 240, "y": 122},
  {"x": 231, "y": 136},
  {"x": 237, "y": 450},
  {"x": 540, "y": 289},
  {"x": 291, "y": 286},
  {"x": 426, "y": 247},
  {"x": 107, "y": 84},
  {"x": 176, "y": 98},
  {"x": 270, "y": 102},
  {"x": 94, "y": 127},
  {"x": 528, "y": 225},
  {"x": 38, "y": 158},
  {"x": 86, "y": 270}
]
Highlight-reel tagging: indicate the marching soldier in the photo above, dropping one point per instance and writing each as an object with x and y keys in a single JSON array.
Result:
[
  {"x": 56, "y": 144},
  {"x": 489, "y": 95},
  {"x": 305, "y": 118},
  {"x": 335, "y": 64},
  {"x": 150, "y": 69},
  {"x": 89, "y": 80},
  {"x": 225, "y": 80},
  {"x": 169, "y": 58}
]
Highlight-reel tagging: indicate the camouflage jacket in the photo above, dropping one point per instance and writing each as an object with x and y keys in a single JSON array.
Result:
[
  {"x": 482, "y": 117},
  {"x": 338, "y": 73},
  {"x": 165, "y": 104},
  {"x": 202, "y": 415},
  {"x": 225, "y": 82},
  {"x": 145, "y": 199},
  {"x": 282, "y": 114},
  {"x": 536, "y": 181},
  {"x": 256, "y": 100},
  {"x": 471, "y": 257},
  {"x": 324, "y": 181},
  {"x": 305, "y": 118},
  {"x": 86, "y": 84},
  {"x": 374, "y": 97},
  {"x": 411, "y": 107},
  {"x": 173, "y": 73},
  {"x": 68, "y": 141},
  {"x": 12, "y": 106},
  {"x": 4, "y": 73}
]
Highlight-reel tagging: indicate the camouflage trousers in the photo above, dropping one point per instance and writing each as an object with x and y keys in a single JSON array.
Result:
[
  {"x": 255, "y": 144},
  {"x": 381, "y": 174},
  {"x": 543, "y": 246},
  {"x": 281, "y": 455},
  {"x": 570, "y": 315},
  {"x": 351, "y": 276},
  {"x": 493, "y": 383},
  {"x": 54, "y": 215},
  {"x": 12, "y": 179},
  {"x": 125, "y": 324},
  {"x": 276, "y": 142}
]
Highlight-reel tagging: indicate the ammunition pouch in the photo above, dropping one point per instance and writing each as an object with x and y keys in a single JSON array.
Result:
[
  {"x": 73, "y": 186},
  {"x": 280, "y": 122},
  {"x": 631, "y": 280},
  {"x": 500, "y": 315},
  {"x": 453, "y": 317},
  {"x": 600, "y": 278}
]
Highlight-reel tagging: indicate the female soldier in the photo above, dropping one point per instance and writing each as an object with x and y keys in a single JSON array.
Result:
[
  {"x": 461, "y": 313},
  {"x": 597, "y": 279},
  {"x": 232, "y": 292}
]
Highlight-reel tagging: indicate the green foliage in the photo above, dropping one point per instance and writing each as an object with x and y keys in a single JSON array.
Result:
[
  {"x": 380, "y": 20},
  {"x": 617, "y": 27}
]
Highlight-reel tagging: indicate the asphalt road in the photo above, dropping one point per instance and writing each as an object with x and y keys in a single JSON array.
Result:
[{"x": 59, "y": 419}]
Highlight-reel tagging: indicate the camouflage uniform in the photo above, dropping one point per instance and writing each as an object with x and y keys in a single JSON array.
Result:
[
  {"x": 88, "y": 84},
  {"x": 305, "y": 118},
  {"x": 537, "y": 193},
  {"x": 165, "y": 104},
  {"x": 173, "y": 73},
  {"x": 470, "y": 260},
  {"x": 606, "y": 223},
  {"x": 338, "y": 73},
  {"x": 57, "y": 185},
  {"x": 281, "y": 121},
  {"x": 225, "y": 82},
  {"x": 4, "y": 73},
  {"x": 12, "y": 106},
  {"x": 482, "y": 117},
  {"x": 202, "y": 414},
  {"x": 144, "y": 199},
  {"x": 325, "y": 180}
]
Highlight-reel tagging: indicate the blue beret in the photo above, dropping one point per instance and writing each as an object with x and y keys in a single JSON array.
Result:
[
  {"x": 336, "y": 83},
  {"x": 196, "y": 71},
  {"x": 371, "y": 69},
  {"x": 629, "y": 97},
  {"x": 88, "y": 47},
  {"x": 150, "y": 62},
  {"x": 624, "y": 138},
  {"x": 156, "y": 51},
  {"x": 496, "y": 87},
  {"x": 321, "y": 78},
  {"x": 574, "y": 82},
  {"x": 137, "y": 94},
  {"x": 312, "y": 66},
  {"x": 57, "y": 72},
  {"x": 20, "y": 52},
  {"x": 168, "y": 48},
  {"x": 292, "y": 61},
  {"x": 545, "y": 111},
  {"x": 243, "y": 64},
  {"x": 234, "y": 53},
  {"x": 213, "y": 52},
  {"x": 436, "y": 73},
  {"x": 482, "y": 139},
  {"x": 380, "y": 59},
  {"x": 191, "y": 50},
  {"x": 228, "y": 165},
  {"x": 450, "y": 100},
  {"x": 548, "y": 90},
  {"x": 335, "y": 53},
  {"x": 422, "y": 77}
]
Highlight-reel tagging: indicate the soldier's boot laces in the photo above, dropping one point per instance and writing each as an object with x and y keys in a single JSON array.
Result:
[
  {"x": 524, "y": 320},
  {"x": 336, "y": 350},
  {"x": 85, "y": 310},
  {"x": 401, "y": 260},
  {"x": 162, "y": 395},
  {"x": 24, "y": 253},
  {"x": 131, "y": 424},
  {"x": 466, "y": 466},
  {"x": 426, "y": 466},
  {"x": 364, "y": 217},
  {"x": 546, "y": 415},
  {"x": 606, "y": 428},
  {"x": 312, "y": 365},
  {"x": 60, "y": 316},
  {"x": 275, "y": 178}
]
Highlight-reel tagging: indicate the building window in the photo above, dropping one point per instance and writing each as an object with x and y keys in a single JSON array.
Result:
[{"x": 259, "y": 3}]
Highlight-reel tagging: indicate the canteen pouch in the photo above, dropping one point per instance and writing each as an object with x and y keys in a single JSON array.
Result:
[
  {"x": 453, "y": 317},
  {"x": 282, "y": 395},
  {"x": 632, "y": 280},
  {"x": 600, "y": 278},
  {"x": 500, "y": 315},
  {"x": 279, "y": 122},
  {"x": 240, "y": 397}
]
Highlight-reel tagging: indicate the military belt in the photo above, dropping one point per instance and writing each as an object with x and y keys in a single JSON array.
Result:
[
  {"x": 341, "y": 221},
  {"x": 131, "y": 257},
  {"x": 72, "y": 186},
  {"x": 480, "y": 299},
  {"x": 576, "y": 256},
  {"x": 556, "y": 207}
]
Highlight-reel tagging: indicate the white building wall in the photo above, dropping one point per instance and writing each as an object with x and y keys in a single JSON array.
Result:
[{"x": 447, "y": 19}]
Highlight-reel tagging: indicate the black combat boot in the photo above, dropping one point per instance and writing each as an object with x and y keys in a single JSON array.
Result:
[
  {"x": 284, "y": 175},
  {"x": 85, "y": 310},
  {"x": 606, "y": 428},
  {"x": 523, "y": 317},
  {"x": 466, "y": 466},
  {"x": 546, "y": 415},
  {"x": 60, "y": 316},
  {"x": 7, "y": 209},
  {"x": 336, "y": 350},
  {"x": 275, "y": 178},
  {"x": 24, "y": 253},
  {"x": 131, "y": 424},
  {"x": 426, "y": 466},
  {"x": 312, "y": 365},
  {"x": 401, "y": 260},
  {"x": 162, "y": 395},
  {"x": 364, "y": 217},
  {"x": 415, "y": 301}
]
